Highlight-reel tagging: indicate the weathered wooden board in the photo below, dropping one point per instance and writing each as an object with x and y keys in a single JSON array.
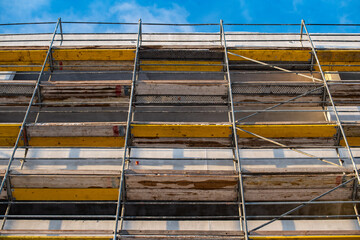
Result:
[
  {"x": 108, "y": 65},
  {"x": 181, "y": 54},
  {"x": 296, "y": 194},
  {"x": 143, "y": 88},
  {"x": 271, "y": 55},
  {"x": 85, "y": 129},
  {"x": 352, "y": 141},
  {"x": 182, "y": 142},
  {"x": 165, "y": 65},
  {"x": 76, "y": 141},
  {"x": 65, "y": 194},
  {"x": 270, "y": 100},
  {"x": 64, "y": 181},
  {"x": 156, "y": 181},
  {"x": 292, "y": 142},
  {"x": 94, "y": 54},
  {"x": 352, "y": 130},
  {"x": 218, "y": 131},
  {"x": 339, "y": 55},
  {"x": 9, "y": 129},
  {"x": 287, "y": 181},
  {"x": 183, "y": 195}
]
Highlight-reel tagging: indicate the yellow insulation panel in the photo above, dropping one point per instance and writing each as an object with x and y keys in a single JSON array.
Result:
[
  {"x": 222, "y": 131},
  {"x": 65, "y": 194},
  {"x": 271, "y": 55},
  {"x": 76, "y": 141},
  {"x": 94, "y": 54}
]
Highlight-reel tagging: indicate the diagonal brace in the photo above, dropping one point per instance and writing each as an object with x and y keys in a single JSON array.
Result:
[
  {"x": 285, "y": 146},
  {"x": 276, "y": 67},
  {"x": 302, "y": 205},
  {"x": 279, "y": 104}
]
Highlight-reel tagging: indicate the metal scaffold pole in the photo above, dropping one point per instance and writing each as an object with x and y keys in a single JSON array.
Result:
[
  {"x": 23, "y": 124},
  {"x": 120, "y": 207},
  {"x": 243, "y": 218},
  {"x": 338, "y": 121}
]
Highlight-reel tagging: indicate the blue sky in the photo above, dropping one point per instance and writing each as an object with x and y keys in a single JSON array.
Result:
[{"x": 185, "y": 11}]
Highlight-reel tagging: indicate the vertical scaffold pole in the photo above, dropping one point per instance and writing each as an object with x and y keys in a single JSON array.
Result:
[
  {"x": 338, "y": 121},
  {"x": 119, "y": 209},
  {"x": 243, "y": 219},
  {"x": 23, "y": 124}
]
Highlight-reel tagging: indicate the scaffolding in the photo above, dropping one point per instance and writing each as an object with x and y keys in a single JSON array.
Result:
[{"x": 170, "y": 135}]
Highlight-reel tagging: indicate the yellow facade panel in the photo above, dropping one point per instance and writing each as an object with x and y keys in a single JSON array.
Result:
[
  {"x": 271, "y": 55},
  {"x": 65, "y": 194},
  {"x": 94, "y": 54},
  {"x": 76, "y": 141},
  {"x": 223, "y": 131},
  {"x": 289, "y": 131},
  {"x": 20, "y": 56},
  {"x": 9, "y": 129}
]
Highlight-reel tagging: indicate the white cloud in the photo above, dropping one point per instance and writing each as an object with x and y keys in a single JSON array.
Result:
[
  {"x": 132, "y": 12},
  {"x": 129, "y": 12},
  {"x": 344, "y": 19},
  {"x": 245, "y": 12},
  {"x": 295, "y": 4},
  {"x": 26, "y": 11}
]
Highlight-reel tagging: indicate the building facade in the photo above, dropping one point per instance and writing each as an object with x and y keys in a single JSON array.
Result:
[{"x": 212, "y": 135}]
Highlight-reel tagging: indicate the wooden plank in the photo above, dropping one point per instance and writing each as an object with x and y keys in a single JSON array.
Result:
[
  {"x": 296, "y": 194},
  {"x": 18, "y": 57},
  {"x": 143, "y": 88},
  {"x": 9, "y": 142},
  {"x": 183, "y": 195},
  {"x": 9, "y": 129},
  {"x": 271, "y": 55},
  {"x": 333, "y": 76},
  {"x": 294, "y": 181},
  {"x": 22, "y": 57},
  {"x": 65, "y": 194},
  {"x": 94, "y": 54},
  {"x": 291, "y": 55},
  {"x": 180, "y": 66},
  {"x": 182, "y": 54},
  {"x": 156, "y": 181},
  {"x": 226, "y": 142},
  {"x": 26, "y": 237},
  {"x": 289, "y": 131},
  {"x": 250, "y": 100},
  {"x": 292, "y": 142},
  {"x": 177, "y": 130},
  {"x": 76, "y": 141},
  {"x": 3, "y": 194},
  {"x": 84, "y": 102},
  {"x": 352, "y": 130},
  {"x": 218, "y": 131},
  {"x": 338, "y": 55},
  {"x": 64, "y": 181},
  {"x": 353, "y": 141},
  {"x": 22, "y": 68},
  {"x": 108, "y": 65},
  {"x": 332, "y": 66},
  {"x": 110, "y": 194},
  {"x": 88, "y": 129},
  {"x": 345, "y": 90},
  {"x": 325, "y": 237},
  {"x": 207, "y": 235}
]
